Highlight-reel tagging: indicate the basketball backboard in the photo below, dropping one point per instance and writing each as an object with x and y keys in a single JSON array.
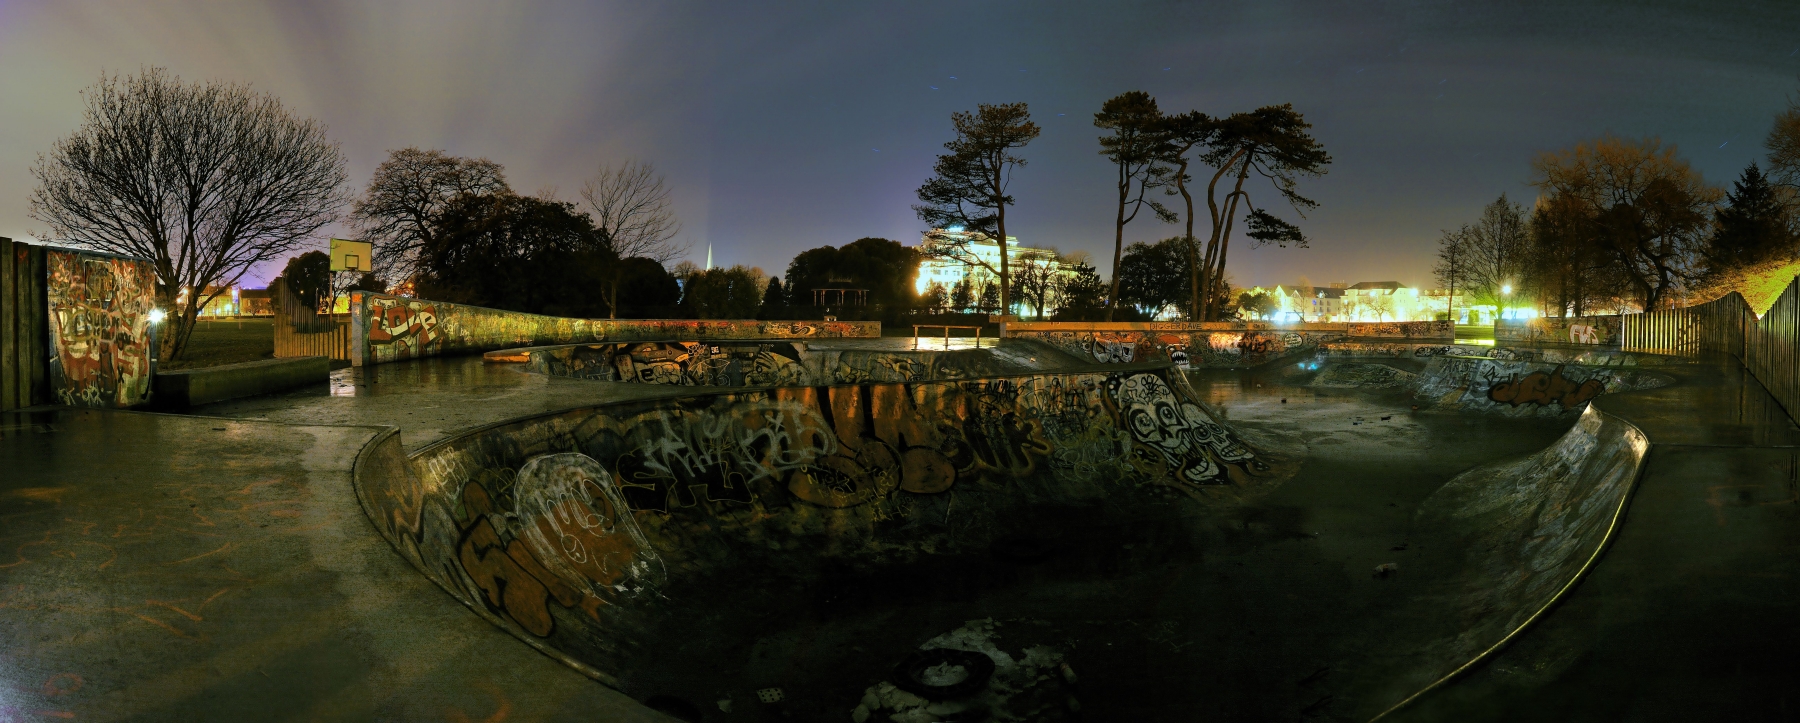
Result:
[{"x": 347, "y": 255}]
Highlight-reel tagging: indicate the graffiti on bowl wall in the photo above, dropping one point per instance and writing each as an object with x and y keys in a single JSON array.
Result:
[
  {"x": 558, "y": 520},
  {"x": 1200, "y": 348},
  {"x": 391, "y": 328},
  {"x": 100, "y": 329}
]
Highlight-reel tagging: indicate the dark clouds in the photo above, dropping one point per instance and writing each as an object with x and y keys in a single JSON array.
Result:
[{"x": 767, "y": 117}]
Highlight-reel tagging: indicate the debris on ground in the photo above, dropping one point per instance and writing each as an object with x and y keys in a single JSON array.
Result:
[{"x": 1032, "y": 685}]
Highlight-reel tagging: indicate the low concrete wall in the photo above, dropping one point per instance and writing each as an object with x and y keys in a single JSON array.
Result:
[
  {"x": 1595, "y": 330},
  {"x": 391, "y": 328},
  {"x": 190, "y": 387}
]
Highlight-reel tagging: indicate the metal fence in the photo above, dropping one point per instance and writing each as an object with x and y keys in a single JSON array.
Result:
[{"x": 1769, "y": 347}]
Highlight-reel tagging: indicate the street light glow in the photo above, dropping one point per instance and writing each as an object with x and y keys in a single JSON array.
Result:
[{"x": 1506, "y": 288}]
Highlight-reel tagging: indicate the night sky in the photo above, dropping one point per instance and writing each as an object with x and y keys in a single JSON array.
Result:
[{"x": 785, "y": 126}]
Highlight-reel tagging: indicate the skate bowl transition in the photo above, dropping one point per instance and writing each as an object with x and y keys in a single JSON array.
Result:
[{"x": 806, "y": 527}]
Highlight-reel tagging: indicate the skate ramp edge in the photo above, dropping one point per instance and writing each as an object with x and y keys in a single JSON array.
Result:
[
  {"x": 1536, "y": 527},
  {"x": 1510, "y": 387},
  {"x": 579, "y": 530},
  {"x": 777, "y": 362}
]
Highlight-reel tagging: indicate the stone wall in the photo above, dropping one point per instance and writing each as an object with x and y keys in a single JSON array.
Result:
[{"x": 391, "y": 328}]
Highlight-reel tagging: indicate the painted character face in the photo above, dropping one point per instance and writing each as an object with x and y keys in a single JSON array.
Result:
[{"x": 1190, "y": 443}]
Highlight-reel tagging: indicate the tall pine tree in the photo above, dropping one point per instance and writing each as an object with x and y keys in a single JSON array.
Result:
[{"x": 1752, "y": 229}]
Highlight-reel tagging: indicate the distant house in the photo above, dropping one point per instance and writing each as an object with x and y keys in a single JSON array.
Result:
[{"x": 236, "y": 301}]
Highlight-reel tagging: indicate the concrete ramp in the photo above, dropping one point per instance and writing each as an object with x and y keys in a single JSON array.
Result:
[
  {"x": 1525, "y": 532},
  {"x": 598, "y": 535},
  {"x": 1511, "y": 387}
]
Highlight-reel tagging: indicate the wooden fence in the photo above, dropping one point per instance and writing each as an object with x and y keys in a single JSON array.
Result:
[
  {"x": 300, "y": 331},
  {"x": 1769, "y": 347},
  {"x": 24, "y": 327},
  {"x": 333, "y": 342}
]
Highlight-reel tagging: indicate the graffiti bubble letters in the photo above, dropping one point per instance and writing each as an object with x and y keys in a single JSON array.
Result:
[{"x": 1546, "y": 388}]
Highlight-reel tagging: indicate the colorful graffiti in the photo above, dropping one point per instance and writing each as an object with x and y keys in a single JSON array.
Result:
[
  {"x": 562, "y": 527},
  {"x": 100, "y": 329},
  {"x": 752, "y": 364},
  {"x": 1204, "y": 348},
  {"x": 1546, "y": 388},
  {"x": 1589, "y": 330},
  {"x": 391, "y": 328},
  {"x": 1403, "y": 330}
]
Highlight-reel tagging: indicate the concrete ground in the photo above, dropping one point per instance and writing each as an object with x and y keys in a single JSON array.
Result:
[
  {"x": 178, "y": 568},
  {"x": 158, "y": 567},
  {"x": 1690, "y": 615}
]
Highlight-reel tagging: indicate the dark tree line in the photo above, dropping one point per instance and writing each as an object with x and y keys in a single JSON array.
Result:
[
  {"x": 1150, "y": 152},
  {"x": 1620, "y": 223}
]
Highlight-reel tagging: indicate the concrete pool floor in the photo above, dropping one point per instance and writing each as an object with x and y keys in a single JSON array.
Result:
[{"x": 159, "y": 567}]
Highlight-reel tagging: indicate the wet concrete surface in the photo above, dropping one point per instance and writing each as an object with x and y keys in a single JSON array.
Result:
[
  {"x": 430, "y": 399},
  {"x": 1268, "y": 609},
  {"x": 1690, "y": 614},
  {"x": 177, "y": 568},
  {"x": 158, "y": 567}
]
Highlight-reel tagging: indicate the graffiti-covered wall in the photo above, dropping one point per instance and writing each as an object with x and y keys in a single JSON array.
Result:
[
  {"x": 1595, "y": 330},
  {"x": 391, "y": 328},
  {"x": 1193, "y": 348},
  {"x": 576, "y": 530},
  {"x": 101, "y": 336},
  {"x": 754, "y": 364},
  {"x": 1402, "y": 330}
]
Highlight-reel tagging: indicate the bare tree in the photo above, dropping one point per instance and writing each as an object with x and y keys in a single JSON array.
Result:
[
  {"x": 1644, "y": 207},
  {"x": 1453, "y": 264},
  {"x": 632, "y": 210},
  {"x": 1035, "y": 278},
  {"x": 1495, "y": 247},
  {"x": 401, "y": 211},
  {"x": 205, "y": 180},
  {"x": 1784, "y": 146}
]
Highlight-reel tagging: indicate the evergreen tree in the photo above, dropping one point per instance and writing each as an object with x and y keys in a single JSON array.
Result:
[{"x": 1753, "y": 228}]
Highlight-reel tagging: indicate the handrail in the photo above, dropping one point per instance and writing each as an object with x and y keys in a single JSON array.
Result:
[{"x": 946, "y": 328}]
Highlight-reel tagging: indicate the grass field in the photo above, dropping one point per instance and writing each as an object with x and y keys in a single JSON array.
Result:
[{"x": 226, "y": 342}]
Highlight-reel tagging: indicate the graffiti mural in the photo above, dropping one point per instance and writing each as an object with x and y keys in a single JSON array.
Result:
[
  {"x": 1588, "y": 330},
  {"x": 752, "y": 364},
  {"x": 1201, "y": 348},
  {"x": 564, "y": 527},
  {"x": 1524, "y": 387},
  {"x": 1546, "y": 388},
  {"x": 100, "y": 331},
  {"x": 391, "y": 328},
  {"x": 1403, "y": 330}
]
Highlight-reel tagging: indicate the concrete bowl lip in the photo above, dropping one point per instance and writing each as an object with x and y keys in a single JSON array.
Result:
[
  {"x": 521, "y": 354},
  {"x": 722, "y": 391},
  {"x": 244, "y": 365}
]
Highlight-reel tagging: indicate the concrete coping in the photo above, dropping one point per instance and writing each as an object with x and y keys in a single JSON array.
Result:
[{"x": 190, "y": 387}]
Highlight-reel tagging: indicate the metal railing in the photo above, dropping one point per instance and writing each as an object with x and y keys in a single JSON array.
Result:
[{"x": 946, "y": 328}]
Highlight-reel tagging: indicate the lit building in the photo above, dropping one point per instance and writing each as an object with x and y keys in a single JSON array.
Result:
[{"x": 978, "y": 249}]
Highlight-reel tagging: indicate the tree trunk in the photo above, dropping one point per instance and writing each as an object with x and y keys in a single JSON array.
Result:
[
  {"x": 1112, "y": 299},
  {"x": 1000, "y": 224},
  {"x": 1189, "y": 243}
]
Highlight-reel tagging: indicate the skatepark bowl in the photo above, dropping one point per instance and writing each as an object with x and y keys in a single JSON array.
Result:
[{"x": 855, "y": 531}]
